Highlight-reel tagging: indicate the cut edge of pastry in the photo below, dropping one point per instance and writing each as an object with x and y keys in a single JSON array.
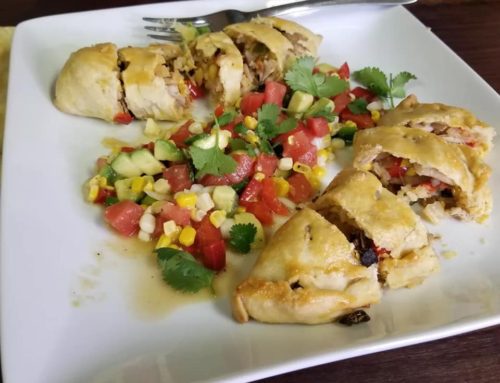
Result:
[{"x": 277, "y": 294}]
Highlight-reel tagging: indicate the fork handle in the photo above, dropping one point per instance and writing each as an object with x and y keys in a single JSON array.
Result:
[{"x": 283, "y": 9}]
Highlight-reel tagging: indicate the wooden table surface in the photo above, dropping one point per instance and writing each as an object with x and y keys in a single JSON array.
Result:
[{"x": 472, "y": 29}]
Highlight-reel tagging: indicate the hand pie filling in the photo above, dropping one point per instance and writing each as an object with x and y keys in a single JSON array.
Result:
[{"x": 413, "y": 181}]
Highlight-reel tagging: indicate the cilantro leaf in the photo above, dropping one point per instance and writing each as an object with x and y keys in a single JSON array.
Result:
[
  {"x": 193, "y": 139},
  {"x": 300, "y": 77},
  {"x": 266, "y": 147},
  {"x": 239, "y": 144},
  {"x": 398, "y": 83},
  {"x": 358, "y": 106},
  {"x": 374, "y": 79},
  {"x": 181, "y": 271},
  {"x": 241, "y": 129},
  {"x": 240, "y": 185},
  {"x": 211, "y": 161},
  {"x": 241, "y": 236},
  {"x": 331, "y": 86},
  {"x": 225, "y": 119},
  {"x": 268, "y": 112}
]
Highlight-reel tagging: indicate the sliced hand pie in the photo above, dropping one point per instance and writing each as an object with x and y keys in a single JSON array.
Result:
[
  {"x": 154, "y": 86},
  {"x": 305, "y": 42},
  {"x": 266, "y": 52},
  {"x": 421, "y": 166},
  {"x": 453, "y": 124},
  {"x": 307, "y": 273},
  {"x": 89, "y": 84},
  {"x": 383, "y": 227},
  {"x": 219, "y": 66}
]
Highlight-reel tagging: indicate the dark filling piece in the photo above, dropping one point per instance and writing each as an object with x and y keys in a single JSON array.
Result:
[
  {"x": 356, "y": 317},
  {"x": 365, "y": 248}
]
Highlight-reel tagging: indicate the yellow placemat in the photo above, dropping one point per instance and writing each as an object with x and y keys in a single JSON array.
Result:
[{"x": 6, "y": 34}]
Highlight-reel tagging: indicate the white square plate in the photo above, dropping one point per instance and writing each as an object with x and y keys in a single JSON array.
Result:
[{"x": 50, "y": 236}]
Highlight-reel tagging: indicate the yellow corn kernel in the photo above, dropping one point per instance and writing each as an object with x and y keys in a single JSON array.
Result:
[
  {"x": 163, "y": 241},
  {"x": 213, "y": 70},
  {"x": 198, "y": 76},
  {"x": 237, "y": 104},
  {"x": 301, "y": 168},
  {"x": 93, "y": 193},
  {"x": 171, "y": 230},
  {"x": 103, "y": 182},
  {"x": 282, "y": 186},
  {"x": 187, "y": 200},
  {"x": 319, "y": 171},
  {"x": 375, "y": 115},
  {"x": 172, "y": 246},
  {"x": 137, "y": 185},
  {"x": 337, "y": 143},
  {"x": 217, "y": 217},
  {"x": 259, "y": 176},
  {"x": 183, "y": 89},
  {"x": 350, "y": 124},
  {"x": 250, "y": 122},
  {"x": 251, "y": 137},
  {"x": 240, "y": 209},
  {"x": 149, "y": 187},
  {"x": 411, "y": 171},
  {"x": 405, "y": 162},
  {"x": 187, "y": 236},
  {"x": 324, "y": 153},
  {"x": 315, "y": 182}
]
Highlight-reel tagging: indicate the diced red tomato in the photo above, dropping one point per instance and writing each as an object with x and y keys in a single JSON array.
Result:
[
  {"x": 363, "y": 121},
  {"x": 261, "y": 211},
  {"x": 341, "y": 100},
  {"x": 182, "y": 134},
  {"x": 395, "y": 169},
  {"x": 214, "y": 255},
  {"x": 300, "y": 188},
  {"x": 124, "y": 217},
  {"x": 299, "y": 147},
  {"x": 194, "y": 90},
  {"x": 318, "y": 126},
  {"x": 244, "y": 168},
  {"x": 206, "y": 233},
  {"x": 284, "y": 137},
  {"x": 251, "y": 102},
  {"x": 344, "y": 72},
  {"x": 363, "y": 93},
  {"x": 127, "y": 149},
  {"x": 149, "y": 146},
  {"x": 180, "y": 215},
  {"x": 103, "y": 194},
  {"x": 123, "y": 118},
  {"x": 266, "y": 163},
  {"x": 178, "y": 176},
  {"x": 219, "y": 110},
  {"x": 274, "y": 92},
  {"x": 270, "y": 197},
  {"x": 252, "y": 191}
]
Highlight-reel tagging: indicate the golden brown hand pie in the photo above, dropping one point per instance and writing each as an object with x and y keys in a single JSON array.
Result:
[
  {"x": 305, "y": 42},
  {"x": 421, "y": 166},
  {"x": 379, "y": 223},
  {"x": 219, "y": 66},
  {"x": 154, "y": 86},
  {"x": 89, "y": 83},
  {"x": 307, "y": 273},
  {"x": 266, "y": 52},
  {"x": 453, "y": 124}
]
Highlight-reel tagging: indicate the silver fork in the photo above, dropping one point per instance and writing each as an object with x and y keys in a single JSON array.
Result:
[{"x": 218, "y": 20}]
